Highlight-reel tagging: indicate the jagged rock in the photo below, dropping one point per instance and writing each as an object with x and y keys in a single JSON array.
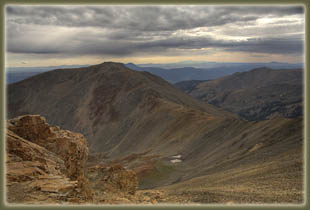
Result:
[
  {"x": 31, "y": 127},
  {"x": 113, "y": 178},
  {"x": 124, "y": 179},
  {"x": 22, "y": 154},
  {"x": 70, "y": 147},
  {"x": 45, "y": 164}
]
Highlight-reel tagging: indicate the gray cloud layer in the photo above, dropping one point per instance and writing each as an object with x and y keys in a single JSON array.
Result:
[
  {"x": 151, "y": 18},
  {"x": 130, "y": 30}
]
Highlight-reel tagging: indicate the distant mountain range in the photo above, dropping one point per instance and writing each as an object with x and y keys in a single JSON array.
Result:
[
  {"x": 16, "y": 74},
  {"x": 172, "y": 72},
  {"x": 209, "y": 65},
  {"x": 204, "y": 71},
  {"x": 41, "y": 68}
]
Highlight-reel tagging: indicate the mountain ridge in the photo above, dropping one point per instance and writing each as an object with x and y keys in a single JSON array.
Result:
[
  {"x": 255, "y": 95},
  {"x": 111, "y": 87}
]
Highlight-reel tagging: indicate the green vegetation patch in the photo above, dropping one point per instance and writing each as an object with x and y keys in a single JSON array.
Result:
[{"x": 160, "y": 174}]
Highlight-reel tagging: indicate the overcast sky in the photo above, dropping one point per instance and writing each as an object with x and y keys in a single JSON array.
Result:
[{"x": 59, "y": 35}]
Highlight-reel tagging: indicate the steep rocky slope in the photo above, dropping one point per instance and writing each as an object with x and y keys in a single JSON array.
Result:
[
  {"x": 168, "y": 138},
  {"x": 255, "y": 95},
  {"x": 117, "y": 109},
  {"x": 47, "y": 165}
]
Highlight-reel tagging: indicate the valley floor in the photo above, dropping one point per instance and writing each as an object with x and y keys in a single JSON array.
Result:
[{"x": 278, "y": 181}]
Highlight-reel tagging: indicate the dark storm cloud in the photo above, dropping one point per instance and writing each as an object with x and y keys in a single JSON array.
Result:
[
  {"x": 150, "y": 18},
  {"x": 275, "y": 45},
  {"x": 125, "y": 30},
  {"x": 91, "y": 45},
  {"x": 262, "y": 10}
]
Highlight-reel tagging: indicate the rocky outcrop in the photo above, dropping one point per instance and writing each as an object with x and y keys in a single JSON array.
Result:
[
  {"x": 45, "y": 164},
  {"x": 70, "y": 147},
  {"x": 114, "y": 178}
]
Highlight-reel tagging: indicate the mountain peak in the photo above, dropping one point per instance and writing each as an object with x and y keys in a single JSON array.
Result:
[
  {"x": 108, "y": 66},
  {"x": 109, "y": 63}
]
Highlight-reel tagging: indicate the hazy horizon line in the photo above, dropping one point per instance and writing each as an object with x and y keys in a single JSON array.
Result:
[{"x": 193, "y": 62}]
